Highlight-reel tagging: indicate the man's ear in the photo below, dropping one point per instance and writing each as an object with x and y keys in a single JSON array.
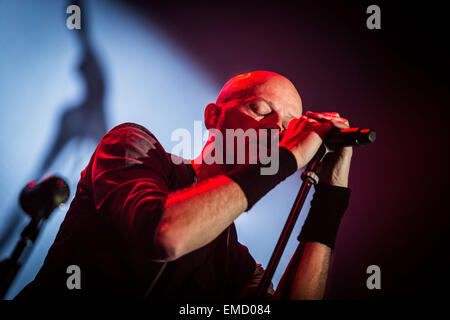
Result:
[{"x": 212, "y": 115}]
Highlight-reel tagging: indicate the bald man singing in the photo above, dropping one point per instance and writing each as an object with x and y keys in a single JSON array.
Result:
[{"x": 145, "y": 226}]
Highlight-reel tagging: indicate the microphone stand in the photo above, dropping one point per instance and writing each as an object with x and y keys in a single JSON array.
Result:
[
  {"x": 310, "y": 177},
  {"x": 11, "y": 266},
  {"x": 38, "y": 202}
]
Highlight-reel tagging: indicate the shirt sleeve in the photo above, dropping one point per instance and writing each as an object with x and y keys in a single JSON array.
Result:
[{"x": 129, "y": 180}]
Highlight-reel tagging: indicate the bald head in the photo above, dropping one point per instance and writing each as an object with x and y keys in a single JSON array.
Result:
[
  {"x": 247, "y": 84},
  {"x": 267, "y": 98}
]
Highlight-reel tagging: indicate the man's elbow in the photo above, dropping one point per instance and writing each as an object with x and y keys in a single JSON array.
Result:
[{"x": 168, "y": 246}]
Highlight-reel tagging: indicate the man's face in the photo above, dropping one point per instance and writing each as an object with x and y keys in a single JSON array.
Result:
[
  {"x": 251, "y": 102},
  {"x": 270, "y": 103}
]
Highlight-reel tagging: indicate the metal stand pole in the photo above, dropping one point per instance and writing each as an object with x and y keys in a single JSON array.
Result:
[
  {"x": 38, "y": 201},
  {"x": 309, "y": 177},
  {"x": 11, "y": 266}
]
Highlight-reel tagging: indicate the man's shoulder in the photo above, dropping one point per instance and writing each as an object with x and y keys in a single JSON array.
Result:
[
  {"x": 129, "y": 144},
  {"x": 135, "y": 137},
  {"x": 132, "y": 134},
  {"x": 130, "y": 126}
]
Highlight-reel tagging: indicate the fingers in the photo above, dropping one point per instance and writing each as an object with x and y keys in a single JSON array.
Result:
[
  {"x": 340, "y": 124},
  {"x": 320, "y": 123},
  {"x": 295, "y": 123},
  {"x": 332, "y": 117},
  {"x": 319, "y": 127},
  {"x": 331, "y": 114}
]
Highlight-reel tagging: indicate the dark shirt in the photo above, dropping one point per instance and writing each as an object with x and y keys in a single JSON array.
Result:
[{"x": 109, "y": 231}]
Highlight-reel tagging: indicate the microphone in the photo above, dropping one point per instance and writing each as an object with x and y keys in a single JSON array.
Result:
[
  {"x": 40, "y": 199},
  {"x": 350, "y": 137}
]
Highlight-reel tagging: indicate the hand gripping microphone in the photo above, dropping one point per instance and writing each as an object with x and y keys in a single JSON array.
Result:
[{"x": 335, "y": 138}]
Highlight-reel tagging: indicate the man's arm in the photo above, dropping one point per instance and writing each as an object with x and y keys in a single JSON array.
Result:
[
  {"x": 305, "y": 277},
  {"x": 130, "y": 186},
  {"x": 194, "y": 217},
  {"x": 306, "y": 274}
]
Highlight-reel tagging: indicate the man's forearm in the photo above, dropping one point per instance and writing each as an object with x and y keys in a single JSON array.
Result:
[
  {"x": 306, "y": 275},
  {"x": 195, "y": 216}
]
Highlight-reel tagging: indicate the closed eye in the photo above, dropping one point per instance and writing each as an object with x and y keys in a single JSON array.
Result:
[{"x": 259, "y": 110}]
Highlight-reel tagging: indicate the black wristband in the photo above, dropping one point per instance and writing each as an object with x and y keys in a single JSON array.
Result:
[
  {"x": 327, "y": 209},
  {"x": 256, "y": 185}
]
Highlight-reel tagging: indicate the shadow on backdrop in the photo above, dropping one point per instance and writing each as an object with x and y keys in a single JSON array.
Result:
[{"x": 85, "y": 120}]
